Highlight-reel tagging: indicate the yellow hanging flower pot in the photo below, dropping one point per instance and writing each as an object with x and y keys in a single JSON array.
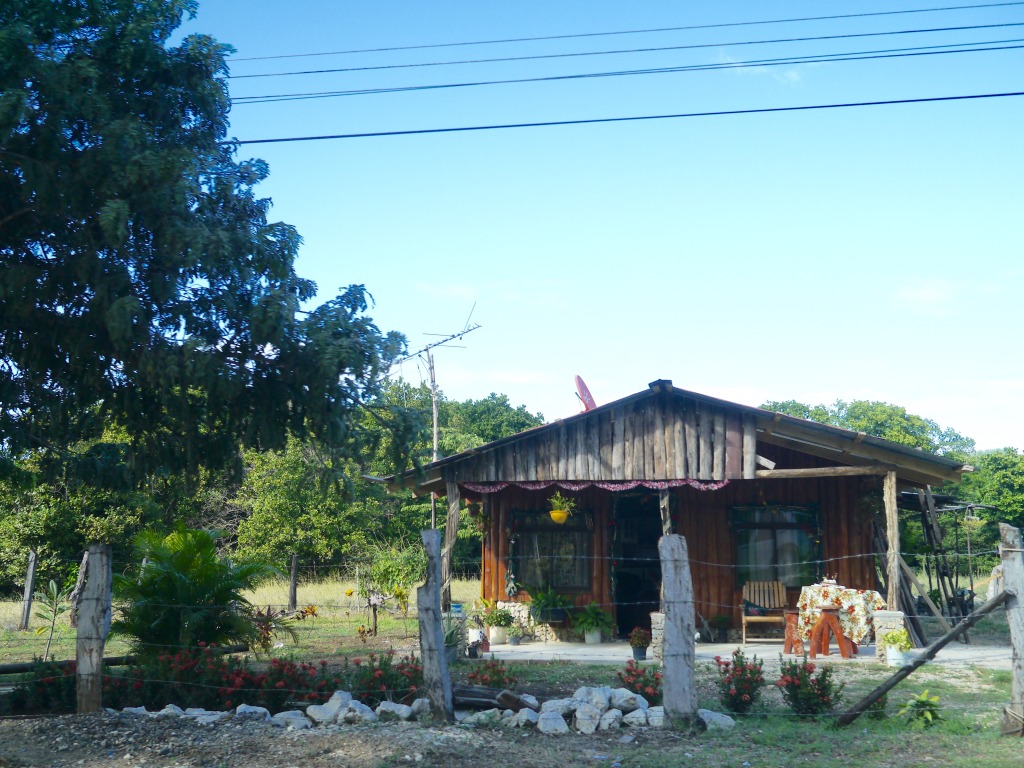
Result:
[{"x": 561, "y": 507}]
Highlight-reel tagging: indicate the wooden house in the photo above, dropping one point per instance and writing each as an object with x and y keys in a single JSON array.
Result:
[{"x": 757, "y": 495}]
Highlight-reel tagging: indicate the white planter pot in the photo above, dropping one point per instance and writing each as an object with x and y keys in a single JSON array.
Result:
[
  {"x": 592, "y": 636},
  {"x": 498, "y": 635},
  {"x": 895, "y": 657}
]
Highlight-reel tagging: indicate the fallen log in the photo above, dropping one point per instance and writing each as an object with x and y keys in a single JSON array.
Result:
[{"x": 482, "y": 697}]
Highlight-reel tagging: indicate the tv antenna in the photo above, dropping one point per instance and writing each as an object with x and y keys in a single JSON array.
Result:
[{"x": 425, "y": 351}]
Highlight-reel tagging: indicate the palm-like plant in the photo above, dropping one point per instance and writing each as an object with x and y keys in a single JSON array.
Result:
[{"x": 186, "y": 593}]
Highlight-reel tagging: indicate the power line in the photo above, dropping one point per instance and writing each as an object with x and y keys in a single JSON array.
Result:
[
  {"x": 892, "y": 53},
  {"x": 661, "y": 49},
  {"x": 637, "y": 118},
  {"x": 629, "y": 31}
]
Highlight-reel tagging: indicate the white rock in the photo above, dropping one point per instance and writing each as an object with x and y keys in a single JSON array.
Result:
[
  {"x": 656, "y": 717},
  {"x": 357, "y": 713},
  {"x": 212, "y": 717},
  {"x": 487, "y": 718},
  {"x": 195, "y": 712},
  {"x": 293, "y": 719},
  {"x": 328, "y": 712},
  {"x": 636, "y": 718},
  {"x": 390, "y": 710},
  {"x": 715, "y": 721},
  {"x": 626, "y": 700},
  {"x": 561, "y": 707},
  {"x": 171, "y": 710},
  {"x": 596, "y": 697},
  {"x": 610, "y": 719},
  {"x": 136, "y": 711},
  {"x": 551, "y": 722},
  {"x": 421, "y": 708},
  {"x": 530, "y": 701},
  {"x": 527, "y": 718},
  {"x": 256, "y": 713},
  {"x": 587, "y": 718}
]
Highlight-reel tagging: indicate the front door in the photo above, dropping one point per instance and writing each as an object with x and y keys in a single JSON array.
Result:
[{"x": 636, "y": 566}]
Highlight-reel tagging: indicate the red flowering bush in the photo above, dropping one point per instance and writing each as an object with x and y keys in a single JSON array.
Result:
[
  {"x": 380, "y": 678},
  {"x": 739, "y": 681},
  {"x": 805, "y": 692},
  {"x": 47, "y": 687},
  {"x": 644, "y": 680},
  {"x": 201, "y": 677},
  {"x": 492, "y": 673}
]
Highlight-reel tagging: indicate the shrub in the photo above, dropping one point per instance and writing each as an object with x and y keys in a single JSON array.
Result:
[
  {"x": 644, "y": 680},
  {"x": 379, "y": 678},
  {"x": 186, "y": 594},
  {"x": 493, "y": 673},
  {"x": 921, "y": 711},
  {"x": 805, "y": 692},
  {"x": 739, "y": 681},
  {"x": 46, "y": 687}
]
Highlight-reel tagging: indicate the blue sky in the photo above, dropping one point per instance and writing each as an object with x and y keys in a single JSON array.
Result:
[{"x": 862, "y": 253}]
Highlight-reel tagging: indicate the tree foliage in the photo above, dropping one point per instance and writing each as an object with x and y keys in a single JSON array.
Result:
[
  {"x": 142, "y": 283},
  {"x": 890, "y": 422}
]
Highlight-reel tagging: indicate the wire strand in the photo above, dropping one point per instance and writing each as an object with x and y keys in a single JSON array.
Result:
[{"x": 721, "y": 25}]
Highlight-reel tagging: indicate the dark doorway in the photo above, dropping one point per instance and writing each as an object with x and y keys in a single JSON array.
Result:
[{"x": 636, "y": 564}]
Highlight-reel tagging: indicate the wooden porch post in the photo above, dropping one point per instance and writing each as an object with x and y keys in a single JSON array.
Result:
[
  {"x": 451, "y": 528},
  {"x": 892, "y": 525}
]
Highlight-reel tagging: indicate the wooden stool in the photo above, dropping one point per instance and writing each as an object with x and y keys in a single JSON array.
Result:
[
  {"x": 793, "y": 639},
  {"x": 829, "y": 623}
]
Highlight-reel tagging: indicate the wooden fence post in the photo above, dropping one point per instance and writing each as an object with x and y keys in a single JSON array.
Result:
[
  {"x": 1011, "y": 553},
  {"x": 93, "y": 626},
  {"x": 678, "y": 660},
  {"x": 293, "y": 585},
  {"x": 76, "y": 594},
  {"x": 436, "y": 678},
  {"x": 892, "y": 530},
  {"x": 30, "y": 585},
  {"x": 451, "y": 529}
]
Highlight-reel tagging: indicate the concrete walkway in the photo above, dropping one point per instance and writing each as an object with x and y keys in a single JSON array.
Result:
[{"x": 618, "y": 652}]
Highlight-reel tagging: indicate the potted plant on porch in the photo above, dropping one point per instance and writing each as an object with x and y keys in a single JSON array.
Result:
[
  {"x": 515, "y": 634},
  {"x": 548, "y": 606},
  {"x": 592, "y": 620},
  {"x": 639, "y": 640},
  {"x": 497, "y": 621}
]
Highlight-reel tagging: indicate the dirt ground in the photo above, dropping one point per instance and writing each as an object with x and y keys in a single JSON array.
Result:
[{"x": 124, "y": 740}]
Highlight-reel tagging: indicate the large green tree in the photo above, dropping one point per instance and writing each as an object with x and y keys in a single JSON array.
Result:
[
  {"x": 142, "y": 283},
  {"x": 891, "y": 422}
]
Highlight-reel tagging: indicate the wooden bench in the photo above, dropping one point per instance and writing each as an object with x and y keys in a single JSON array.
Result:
[{"x": 770, "y": 595}]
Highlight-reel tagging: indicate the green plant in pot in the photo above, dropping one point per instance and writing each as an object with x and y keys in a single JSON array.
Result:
[
  {"x": 592, "y": 620},
  {"x": 562, "y": 507},
  {"x": 515, "y": 634},
  {"x": 896, "y": 643},
  {"x": 498, "y": 620},
  {"x": 548, "y": 606},
  {"x": 453, "y": 630}
]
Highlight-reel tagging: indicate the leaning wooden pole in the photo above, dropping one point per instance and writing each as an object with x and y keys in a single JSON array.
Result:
[
  {"x": 678, "y": 669},
  {"x": 1011, "y": 553},
  {"x": 451, "y": 530},
  {"x": 293, "y": 585},
  {"x": 436, "y": 678},
  {"x": 93, "y": 626},
  {"x": 929, "y": 653}
]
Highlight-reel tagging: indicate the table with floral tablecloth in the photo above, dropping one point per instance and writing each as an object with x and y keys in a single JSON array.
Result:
[{"x": 856, "y": 607}]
